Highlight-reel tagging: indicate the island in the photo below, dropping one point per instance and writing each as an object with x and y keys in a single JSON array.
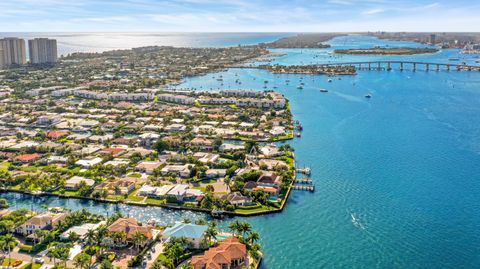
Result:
[
  {"x": 310, "y": 69},
  {"x": 386, "y": 51},
  {"x": 310, "y": 40}
]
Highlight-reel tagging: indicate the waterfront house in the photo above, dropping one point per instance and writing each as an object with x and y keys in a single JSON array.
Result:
[
  {"x": 273, "y": 192},
  {"x": 72, "y": 183},
  {"x": 44, "y": 221},
  {"x": 152, "y": 191},
  {"x": 270, "y": 151},
  {"x": 271, "y": 164},
  {"x": 192, "y": 232},
  {"x": 81, "y": 230},
  {"x": 117, "y": 186},
  {"x": 130, "y": 226},
  {"x": 229, "y": 254},
  {"x": 269, "y": 179},
  {"x": 237, "y": 199}
]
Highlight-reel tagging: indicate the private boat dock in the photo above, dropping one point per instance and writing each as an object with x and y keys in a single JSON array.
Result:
[
  {"x": 304, "y": 170},
  {"x": 310, "y": 188},
  {"x": 305, "y": 183},
  {"x": 305, "y": 180}
]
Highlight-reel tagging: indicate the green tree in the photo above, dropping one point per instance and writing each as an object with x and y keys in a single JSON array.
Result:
[
  {"x": 82, "y": 260},
  {"x": 7, "y": 243},
  {"x": 161, "y": 145},
  {"x": 138, "y": 239}
]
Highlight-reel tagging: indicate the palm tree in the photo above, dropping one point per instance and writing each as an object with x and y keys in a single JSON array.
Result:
[
  {"x": 244, "y": 227},
  {"x": 102, "y": 231},
  {"x": 9, "y": 242},
  {"x": 210, "y": 233},
  {"x": 82, "y": 260},
  {"x": 38, "y": 234},
  {"x": 234, "y": 226},
  {"x": 253, "y": 237},
  {"x": 138, "y": 239},
  {"x": 90, "y": 237}
]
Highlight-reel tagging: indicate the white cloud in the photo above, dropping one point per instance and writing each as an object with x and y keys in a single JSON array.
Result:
[{"x": 373, "y": 11}]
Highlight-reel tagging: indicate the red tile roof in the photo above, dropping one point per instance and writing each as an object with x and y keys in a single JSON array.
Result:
[
  {"x": 227, "y": 250},
  {"x": 55, "y": 134},
  {"x": 28, "y": 157}
]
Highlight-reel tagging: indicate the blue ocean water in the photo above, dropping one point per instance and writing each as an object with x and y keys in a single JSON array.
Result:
[
  {"x": 397, "y": 176},
  {"x": 98, "y": 42}
]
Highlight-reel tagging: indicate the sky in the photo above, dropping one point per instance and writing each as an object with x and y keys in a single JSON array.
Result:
[{"x": 238, "y": 15}]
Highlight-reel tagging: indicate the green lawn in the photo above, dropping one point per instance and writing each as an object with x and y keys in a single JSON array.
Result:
[
  {"x": 252, "y": 209},
  {"x": 31, "y": 266},
  {"x": 155, "y": 201},
  {"x": 4, "y": 165},
  {"x": 10, "y": 262},
  {"x": 133, "y": 197},
  {"x": 116, "y": 197},
  {"x": 69, "y": 193}
]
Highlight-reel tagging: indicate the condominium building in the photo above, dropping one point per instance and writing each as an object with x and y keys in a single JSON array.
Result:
[
  {"x": 13, "y": 52},
  {"x": 42, "y": 50}
]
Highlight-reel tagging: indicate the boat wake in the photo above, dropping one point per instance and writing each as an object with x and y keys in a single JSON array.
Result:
[{"x": 356, "y": 221}]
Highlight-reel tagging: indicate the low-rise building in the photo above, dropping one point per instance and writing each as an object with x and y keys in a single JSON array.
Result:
[
  {"x": 72, "y": 183},
  {"x": 148, "y": 166},
  {"x": 192, "y": 232},
  {"x": 229, "y": 254},
  {"x": 181, "y": 170},
  {"x": 45, "y": 221}
]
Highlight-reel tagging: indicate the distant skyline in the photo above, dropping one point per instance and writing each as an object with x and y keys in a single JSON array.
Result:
[{"x": 237, "y": 16}]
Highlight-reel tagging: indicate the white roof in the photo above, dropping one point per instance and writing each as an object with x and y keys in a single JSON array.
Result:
[
  {"x": 178, "y": 189},
  {"x": 88, "y": 163},
  {"x": 163, "y": 190},
  {"x": 81, "y": 230},
  {"x": 76, "y": 179}
]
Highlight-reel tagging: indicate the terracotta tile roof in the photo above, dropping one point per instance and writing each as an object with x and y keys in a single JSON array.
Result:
[
  {"x": 55, "y": 134},
  {"x": 130, "y": 226},
  {"x": 28, "y": 157},
  {"x": 227, "y": 250},
  {"x": 112, "y": 151}
]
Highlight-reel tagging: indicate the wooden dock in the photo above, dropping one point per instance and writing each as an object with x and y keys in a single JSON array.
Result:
[
  {"x": 310, "y": 188},
  {"x": 305, "y": 180},
  {"x": 304, "y": 170}
]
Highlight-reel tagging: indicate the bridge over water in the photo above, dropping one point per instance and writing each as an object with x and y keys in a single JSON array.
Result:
[
  {"x": 399, "y": 65},
  {"x": 405, "y": 65}
]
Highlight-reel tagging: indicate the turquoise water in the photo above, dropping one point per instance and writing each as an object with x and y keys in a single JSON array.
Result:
[
  {"x": 98, "y": 42},
  {"x": 397, "y": 176}
]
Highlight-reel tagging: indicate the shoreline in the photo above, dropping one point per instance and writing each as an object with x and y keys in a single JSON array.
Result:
[{"x": 146, "y": 204}]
